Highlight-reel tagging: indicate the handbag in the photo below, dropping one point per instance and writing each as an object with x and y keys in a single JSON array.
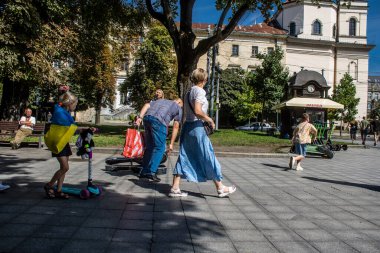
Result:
[
  {"x": 133, "y": 147},
  {"x": 206, "y": 125}
]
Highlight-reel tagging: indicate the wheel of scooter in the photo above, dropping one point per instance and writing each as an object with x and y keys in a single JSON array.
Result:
[
  {"x": 84, "y": 194},
  {"x": 329, "y": 154},
  {"x": 344, "y": 147},
  {"x": 100, "y": 190},
  {"x": 337, "y": 147}
]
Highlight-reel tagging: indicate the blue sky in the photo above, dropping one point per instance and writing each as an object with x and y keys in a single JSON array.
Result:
[{"x": 204, "y": 12}]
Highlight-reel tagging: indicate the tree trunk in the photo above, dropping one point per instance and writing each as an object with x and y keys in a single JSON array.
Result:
[
  {"x": 97, "y": 116},
  {"x": 14, "y": 99},
  {"x": 185, "y": 67}
]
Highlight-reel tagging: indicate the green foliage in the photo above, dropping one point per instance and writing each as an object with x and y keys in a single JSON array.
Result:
[
  {"x": 270, "y": 79},
  {"x": 155, "y": 68},
  {"x": 237, "y": 98},
  {"x": 345, "y": 94}
]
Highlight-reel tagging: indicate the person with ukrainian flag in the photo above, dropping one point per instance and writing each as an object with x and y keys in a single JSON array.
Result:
[{"x": 57, "y": 139}]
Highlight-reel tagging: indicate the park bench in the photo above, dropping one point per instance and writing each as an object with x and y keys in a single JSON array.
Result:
[{"x": 9, "y": 128}]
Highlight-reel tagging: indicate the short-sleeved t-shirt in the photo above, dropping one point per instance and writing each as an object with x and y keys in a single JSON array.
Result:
[
  {"x": 165, "y": 111},
  {"x": 196, "y": 94},
  {"x": 31, "y": 119}
]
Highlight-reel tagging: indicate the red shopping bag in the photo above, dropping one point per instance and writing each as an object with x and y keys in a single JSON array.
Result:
[{"x": 133, "y": 147}]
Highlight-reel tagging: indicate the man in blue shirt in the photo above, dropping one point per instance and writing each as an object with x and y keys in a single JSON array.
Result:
[{"x": 156, "y": 116}]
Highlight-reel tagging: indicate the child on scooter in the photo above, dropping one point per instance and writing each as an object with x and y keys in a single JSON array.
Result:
[{"x": 67, "y": 104}]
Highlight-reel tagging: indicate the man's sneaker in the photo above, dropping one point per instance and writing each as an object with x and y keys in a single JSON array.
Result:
[
  {"x": 150, "y": 177},
  {"x": 291, "y": 162},
  {"x": 299, "y": 168},
  {"x": 177, "y": 193},
  {"x": 4, "y": 187}
]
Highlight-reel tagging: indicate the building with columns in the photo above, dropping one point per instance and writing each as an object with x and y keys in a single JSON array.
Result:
[{"x": 324, "y": 38}]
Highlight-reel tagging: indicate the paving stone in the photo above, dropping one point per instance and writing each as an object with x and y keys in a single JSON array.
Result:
[
  {"x": 8, "y": 243},
  {"x": 239, "y": 235},
  {"x": 123, "y": 247},
  {"x": 272, "y": 210},
  {"x": 101, "y": 222},
  {"x": 174, "y": 235},
  {"x": 262, "y": 247},
  {"x": 11, "y": 230},
  {"x": 58, "y": 232},
  {"x": 315, "y": 235},
  {"x": 40, "y": 245},
  {"x": 134, "y": 236},
  {"x": 97, "y": 234},
  {"x": 214, "y": 247},
  {"x": 294, "y": 247},
  {"x": 31, "y": 218},
  {"x": 80, "y": 246},
  {"x": 337, "y": 247},
  {"x": 174, "y": 247}
]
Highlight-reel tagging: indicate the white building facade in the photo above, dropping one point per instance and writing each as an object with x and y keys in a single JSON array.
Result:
[{"x": 308, "y": 35}]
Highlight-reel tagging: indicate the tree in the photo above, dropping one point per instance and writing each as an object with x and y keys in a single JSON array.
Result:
[
  {"x": 232, "y": 86},
  {"x": 183, "y": 36},
  {"x": 155, "y": 68},
  {"x": 270, "y": 80},
  {"x": 103, "y": 37},
  {"x": 345, "y": 94},
  {"x": 33, "y": 34},
  {"x": 245, "y": 107}
]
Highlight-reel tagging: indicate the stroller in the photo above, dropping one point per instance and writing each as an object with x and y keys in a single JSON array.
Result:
[{"x": 132, "y": 156}]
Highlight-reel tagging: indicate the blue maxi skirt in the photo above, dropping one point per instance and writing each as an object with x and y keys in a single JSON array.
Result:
[{"x": 197, "y": 161}]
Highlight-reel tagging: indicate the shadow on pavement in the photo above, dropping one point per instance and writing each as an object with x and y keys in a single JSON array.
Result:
[
  {"x": 365, "y": 186},
  {"x": 123, "y": 220},
  {"x": 276, "y": 166}
]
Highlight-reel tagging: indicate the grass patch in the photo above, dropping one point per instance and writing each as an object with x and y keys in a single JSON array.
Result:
[{"x": 230, "y": 137}]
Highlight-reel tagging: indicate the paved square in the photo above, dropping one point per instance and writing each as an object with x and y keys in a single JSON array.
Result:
[{"x": 332, "y": 206}]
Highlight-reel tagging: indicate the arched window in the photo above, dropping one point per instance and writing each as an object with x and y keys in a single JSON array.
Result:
[
  {"x": 292, "y": 29},
  {"x": 317, "y": 27},
  {"x": 334, "y": 30},
  {"x": 352, "y": 28},
  {"x": 353, "y": 70}
]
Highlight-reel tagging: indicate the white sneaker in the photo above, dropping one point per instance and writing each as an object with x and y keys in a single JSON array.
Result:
[
  {"x": 299, "y": 168},
  {"x": 177, "y": 193},
  {"x": 4, "y": 187},
  {"x": 291, "y": 162},
  {"x": 222, "y": 193}
]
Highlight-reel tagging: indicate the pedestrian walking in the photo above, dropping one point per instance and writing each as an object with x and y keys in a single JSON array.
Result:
[
  {"x": 301, "y": 137},
  {"x": 353, "y": 130},
  {"x": 375, "y": 125},
  {"x": 62, "y": 117},
  {"x": 197, "y": 161},
  {"x": 156, "y": 116},
  {"x": 159, "y": 94},
  {"x": 364, "y": 129}
]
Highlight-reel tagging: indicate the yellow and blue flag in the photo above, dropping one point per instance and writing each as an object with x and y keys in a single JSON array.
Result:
[{"x": 61, "y": 130}]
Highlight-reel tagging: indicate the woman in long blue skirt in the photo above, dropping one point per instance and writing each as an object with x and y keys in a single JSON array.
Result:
[{"x": 197, "y": 161}]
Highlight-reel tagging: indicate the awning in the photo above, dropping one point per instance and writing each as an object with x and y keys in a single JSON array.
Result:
[{"x": 322, "y": 103}]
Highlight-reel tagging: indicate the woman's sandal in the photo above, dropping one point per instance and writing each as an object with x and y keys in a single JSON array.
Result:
[
  {"x": 50, "y": 194},
  {"x": 226, "y": 190},
  {"x": 61, "y": 195}
]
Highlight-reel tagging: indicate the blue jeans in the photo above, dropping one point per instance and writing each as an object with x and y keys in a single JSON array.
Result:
[{"x": 155, "y": 144}]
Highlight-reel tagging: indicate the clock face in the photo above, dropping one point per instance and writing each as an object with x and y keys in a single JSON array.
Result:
[{"x": 310, "y": 88}]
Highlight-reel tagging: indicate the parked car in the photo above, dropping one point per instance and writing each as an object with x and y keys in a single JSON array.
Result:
[
  {"x": 247, "y": 126},
  {"x": 256, "y": 126}
]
